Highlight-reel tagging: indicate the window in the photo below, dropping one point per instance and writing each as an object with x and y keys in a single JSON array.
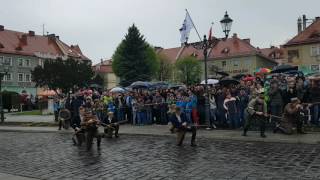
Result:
[
  {"x": 292, "y": 54},
  {"x": 315, "y": 51},
  {"x": 224, "y": 63},
  {"x": 8, "y": 77},
  {"x": 236, "y": 63},
  {"x": 315, "y": 68},
  {"x": 7, "y": 61},
  {"x": 27, "y": 62},
  {"x": 1, "y": 59},
  {"x": 28, "y": 78},
  {"x": 40, "y": 63},
  {"x": 20, "y": 62},
  {"x": 20, "y": 77}
]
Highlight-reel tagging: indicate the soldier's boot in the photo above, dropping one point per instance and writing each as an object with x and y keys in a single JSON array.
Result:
[
  {"x": 98, "y": 141},
  {"x": 193, "y": 138},
  {"x": 116, "y": 132},
  {"x": 245, "y": 132}
]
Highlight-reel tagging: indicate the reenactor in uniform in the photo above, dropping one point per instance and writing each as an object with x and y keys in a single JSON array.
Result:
[
  {"x": 111, "y": 125},
  {"x": 293, "y": 115},
  {"x": 179, "y": 122},
  {"x": 256, "y": 110}
]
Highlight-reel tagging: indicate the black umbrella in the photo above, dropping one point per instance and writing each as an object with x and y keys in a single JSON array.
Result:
[
  {"x": 283, "y": 68},
  {"x": 140, "y": 84},
  {"x": 239, "y": 76},
  {"x": 222, "y": 73},
  {"x": 227, "y": 81}
]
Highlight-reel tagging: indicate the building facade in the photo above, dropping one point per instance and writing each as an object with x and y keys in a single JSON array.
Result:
[
  {"x": 303, "y": 50},
  {"x": 232, "y": 55},
  {"x": 104, "y": 70},
  {"x": 22, "y": 52}
]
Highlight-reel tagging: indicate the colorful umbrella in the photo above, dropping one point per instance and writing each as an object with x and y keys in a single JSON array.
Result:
[{"x": 263, "y": 71}]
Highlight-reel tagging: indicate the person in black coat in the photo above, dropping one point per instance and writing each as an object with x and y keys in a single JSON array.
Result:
[{"x": 180, "y": 124}]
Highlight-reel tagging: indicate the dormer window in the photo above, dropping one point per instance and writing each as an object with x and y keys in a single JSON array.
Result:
[{"x": 225, "y": 51}]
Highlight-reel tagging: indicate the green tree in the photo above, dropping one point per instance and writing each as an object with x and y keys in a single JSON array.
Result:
[
  {"x": 188, "y": 70},
  {"x": 165, "y": 69},
  {"x": 134, "y": 59},
  {"x": 63, "y": 74}
]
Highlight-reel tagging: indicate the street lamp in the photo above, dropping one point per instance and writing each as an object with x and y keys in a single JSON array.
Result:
[
  {"x": 2, "y": 74},
  {"x": 226, "y": 24},
  {"x": 205, "y": 45}
]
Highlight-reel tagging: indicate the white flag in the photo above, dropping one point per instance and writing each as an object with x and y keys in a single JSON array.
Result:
[{"x": 186, "y": 28}]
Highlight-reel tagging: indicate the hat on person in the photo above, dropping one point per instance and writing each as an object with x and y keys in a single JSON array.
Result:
[{"x": 294, "y": 99}]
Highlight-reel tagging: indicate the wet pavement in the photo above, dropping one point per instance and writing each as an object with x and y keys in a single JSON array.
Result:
[{"x": 52, "y": 156}]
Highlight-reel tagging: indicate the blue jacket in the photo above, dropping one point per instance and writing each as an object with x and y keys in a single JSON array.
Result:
[
  {"x": 189, "y": 107},
  {"x": 175, "y": 122}
]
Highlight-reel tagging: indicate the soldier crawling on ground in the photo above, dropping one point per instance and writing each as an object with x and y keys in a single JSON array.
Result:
[{"x": 88, "y": 130}]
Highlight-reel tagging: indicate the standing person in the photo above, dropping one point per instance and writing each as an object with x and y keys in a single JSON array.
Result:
[
  {"x": 276, "y": 103},
  {"x": 157, "y": 102},
  {"x": 148, "y": 108},
  {"x": 56, "y": 109},
  {"x": 111, "y": 125},
  {"x": 221, "y": 112},
  {"x": 243, "y": 100},
  {"x": 213, "y": 111},
  {"x": 291, "y": 91},
  {"x": 256, "y": 110},
  {"x": 119, "y": 103},
  {"x": 230, "y": 106},
  {"x": 188, "y": 110},
  {"x": 141, "y": 112},
  {"x": 314, "y": 98},
  {"x": 128, "y": 107},
  {"x": 76, "y": 103},
  {"x": 134, "y": 109},
  {"x": 194, "y": 113},
  {"x": 179, "y": 121}
]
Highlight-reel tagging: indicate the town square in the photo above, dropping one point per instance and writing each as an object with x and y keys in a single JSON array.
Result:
[{"x": 143, "y": 89}]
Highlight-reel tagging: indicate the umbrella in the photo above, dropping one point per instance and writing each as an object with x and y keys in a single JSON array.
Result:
[
  {"x": 239, "y": 76},
  {"x": 263, "y": 71},
  {"x": 227, "y": 81},
  {"x": 249, "y": 78},
  {"x": 177, "y": 86},
  {"x": 159, "y": 85},
  {"x": 95, "y": 86},
  {"x": 210, "y": 81},
  {"x": 222, "y": 73},
  {"x": 283, "y": 68},
  {"x": 140, "y": 84},
  {"x": 117, "y": 90},
  {"x": 47, "y": 93}
]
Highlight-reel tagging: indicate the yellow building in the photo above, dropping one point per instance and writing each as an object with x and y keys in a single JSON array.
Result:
[{"x": 303, "y": 50}]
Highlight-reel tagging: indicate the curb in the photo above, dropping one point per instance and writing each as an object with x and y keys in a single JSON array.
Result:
[{"x": 252, "y": 138}]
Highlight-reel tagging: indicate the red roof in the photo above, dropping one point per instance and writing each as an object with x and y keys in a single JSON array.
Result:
[
  {"x": 228, "y": 48},
  {"x": 310, "y": 35},
  {"x": 273, "y": 52},
  {"x": 13, "y": 42},
  {"x": 103, "y": 67},
  {"x": 232, "y": 47}
]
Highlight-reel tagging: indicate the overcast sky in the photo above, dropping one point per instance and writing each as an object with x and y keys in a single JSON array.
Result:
[{"x": 98, "y": 26}]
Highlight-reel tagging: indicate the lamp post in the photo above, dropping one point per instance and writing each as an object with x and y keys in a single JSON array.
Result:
[
  {"x": 205, "y": 45},
  {"x": 2, "y": 74}
]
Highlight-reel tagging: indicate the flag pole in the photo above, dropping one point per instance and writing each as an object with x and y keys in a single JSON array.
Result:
[{"x": 194, "y": 25}]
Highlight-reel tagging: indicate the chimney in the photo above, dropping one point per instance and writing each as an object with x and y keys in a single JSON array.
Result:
[
  {"x": 24, "y": 39},
  {"x": 247, "y": 40},
  {"x": 31, "y": 33},
  {"x": 304, "y": 21},
  {"x": 299, "y": 25},
  {"x": 1, "y": 28},
  {"x": 52, "y": 36},
  {"x": 235, "y": 35}
]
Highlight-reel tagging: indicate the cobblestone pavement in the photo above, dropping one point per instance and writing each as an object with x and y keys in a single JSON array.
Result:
[{"x": 52, "y": 156}]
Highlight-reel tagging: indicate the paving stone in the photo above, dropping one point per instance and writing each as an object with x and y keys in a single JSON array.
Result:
[{"x": 52, "y": 156}]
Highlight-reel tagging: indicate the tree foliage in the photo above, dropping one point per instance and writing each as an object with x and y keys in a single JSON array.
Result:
[
  {"x": 62, "y": 74},
  {"x": 134, "y": 59},
  {"x": 188, "y": 70}
]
